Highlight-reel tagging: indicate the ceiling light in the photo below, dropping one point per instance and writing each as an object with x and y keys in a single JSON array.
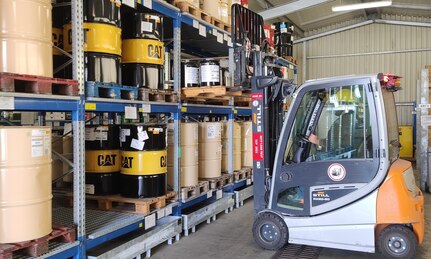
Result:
[{"x": 350, "y": 7}]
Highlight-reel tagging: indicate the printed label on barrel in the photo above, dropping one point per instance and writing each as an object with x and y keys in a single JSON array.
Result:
[
  {"x": 102, "y": 161},
  {"x": 191, "y": 75},
  {"x": 210, "y": 73},
  {"x": 213, "y": 131},
  {"x": 143, "y": 162}
]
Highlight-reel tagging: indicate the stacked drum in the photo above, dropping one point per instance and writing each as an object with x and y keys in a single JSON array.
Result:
[
  {"x": 283, "y": 40},
  {"x": 102, "y": 48},
  {"x": 209, "y": 149},
  {"x": 25, "y": 183},
  {"x": 26, "y": 37},
  {"x": 246, "y": 144},
  {"x": 189, "y": 154},
  {"x": 209, "y": 71},
  {"x": 189, "y": 74},
  {"x": 102, "y": 159},
  {"x": 143, "y": 51},
  {"x": 236, "y": 147},
  {"x": 143, "y": 160}
]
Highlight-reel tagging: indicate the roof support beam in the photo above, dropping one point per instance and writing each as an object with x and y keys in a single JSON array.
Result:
[{"x": 292, "y": 7}]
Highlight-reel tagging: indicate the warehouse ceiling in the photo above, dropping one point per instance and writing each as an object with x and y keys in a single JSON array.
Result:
[{"x": 308, "y": 15}]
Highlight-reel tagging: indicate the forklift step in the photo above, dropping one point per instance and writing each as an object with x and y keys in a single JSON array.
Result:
[{"x": 293, "y": 251}]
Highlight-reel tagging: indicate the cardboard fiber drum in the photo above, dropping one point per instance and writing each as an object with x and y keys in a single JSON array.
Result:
[
  {"x": 26, "y": 37},
  {"x": 25, "y": 183}
]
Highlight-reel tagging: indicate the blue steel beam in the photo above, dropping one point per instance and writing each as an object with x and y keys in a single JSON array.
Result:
[{"x": 42, "y": 104}]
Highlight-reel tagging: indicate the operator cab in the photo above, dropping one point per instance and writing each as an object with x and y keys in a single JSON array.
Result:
[{"x": 330, "y": 151}]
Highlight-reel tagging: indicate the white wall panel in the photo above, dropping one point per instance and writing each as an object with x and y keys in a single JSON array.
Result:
[{"x": 413, "y": 45}]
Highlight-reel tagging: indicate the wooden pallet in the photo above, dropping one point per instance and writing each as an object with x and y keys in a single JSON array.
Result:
[
  {"x": 193, "y": 191},
  {"x": 204, "y": 91},
  {"x": 220, "y": 24},
  {"x": 156, "y": 95},
  {"x": 110, "y": 90},
  {"x": 219, "y": 182},
  {"x": 38, "y": 247},
  {"x": 239, "y": 175},
  {"x": 290, "y": 59},
  {"x": 122, "y": 204},
  {"x": 10, "y": 82},
  {"x": 191, "y": 9}
]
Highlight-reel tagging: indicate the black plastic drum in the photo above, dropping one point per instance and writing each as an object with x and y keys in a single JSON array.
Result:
[
  {"x": 102, "y": 11},
  {"x": 102, "y": 137},
  {"x": 142, "y": 25},
  {"x": 100, "y": 67},
  {"x": 189, "y": 74},
  {"x": 283, "y": 40},
  {"x": 143, "y": 186},
  {"x": 152, "y": 135},
  {"x": 209, "y": 73},
  {"x": 142, "y": 75},
  {"x": 104, "y": 184}
]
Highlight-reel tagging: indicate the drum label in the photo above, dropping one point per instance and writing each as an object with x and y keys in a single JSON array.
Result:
[
  {"x": 102, "y": 161},
  {"x": 143, "y": 162}
]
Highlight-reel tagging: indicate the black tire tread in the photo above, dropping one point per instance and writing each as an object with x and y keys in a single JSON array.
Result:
[
  {"x": 407, "y": 232},
  {"x": 267, "y": 216}
]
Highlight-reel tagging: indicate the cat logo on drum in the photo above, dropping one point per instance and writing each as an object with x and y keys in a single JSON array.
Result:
[
  {"x": 108, "y": 160},
  {"x": 155, "y": 51},
  {"x": 127, "y": 162}
]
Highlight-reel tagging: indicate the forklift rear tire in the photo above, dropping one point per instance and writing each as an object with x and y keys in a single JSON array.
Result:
[
  {"x": 397, "y": 241},
  {"x": 269, "y": 231}
]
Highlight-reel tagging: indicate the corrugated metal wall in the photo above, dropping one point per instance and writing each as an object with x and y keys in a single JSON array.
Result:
[{"x": 325, "y": 55}]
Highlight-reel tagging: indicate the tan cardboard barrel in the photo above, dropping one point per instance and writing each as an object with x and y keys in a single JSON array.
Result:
[
  {"x": 224, "y": 11},
  {"x": 236, "y": 130},
  {"x": 210, "y": 132},
  {"x": 211, "y": 7},
  {"x": 26, "y": 37},
  {"x": 25, "y": 183},
  {"x": 189, "y": 155},
  {"x": 188, "y": 176},
  {"x": 209, "y": 168},
  {"x": 237, "y": 162},
  {"x": 247, "y": 159},
  {"x": 246, "y": 132},
  {"x": 188, "y": 133},
  {"x": 236, "y": 146},
  {"x": 210, "y": 150}
]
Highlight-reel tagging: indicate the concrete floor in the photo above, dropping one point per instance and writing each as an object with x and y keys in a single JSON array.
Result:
[{"x": 230, "y": 236}]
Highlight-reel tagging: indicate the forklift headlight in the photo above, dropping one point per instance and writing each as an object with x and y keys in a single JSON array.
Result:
[{"x": 409, "y": 179}]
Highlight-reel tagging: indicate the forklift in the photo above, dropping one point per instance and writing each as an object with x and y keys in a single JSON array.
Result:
[{"x": 327, "y": 171}]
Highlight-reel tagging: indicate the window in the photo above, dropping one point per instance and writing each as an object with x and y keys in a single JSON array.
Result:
[
  {"x": 340, "y": 119},
  {"x": 291, "y": 198}
]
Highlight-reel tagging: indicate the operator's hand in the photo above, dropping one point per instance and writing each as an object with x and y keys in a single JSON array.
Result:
[{"x": 314, "y": 139}]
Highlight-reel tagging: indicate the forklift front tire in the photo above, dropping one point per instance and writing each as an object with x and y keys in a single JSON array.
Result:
[
  {"x": 397, "y": 241},
  {"x": 269, "y": 231}
]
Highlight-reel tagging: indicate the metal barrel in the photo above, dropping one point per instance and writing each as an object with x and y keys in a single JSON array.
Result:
[
  {"x": 102, "y": 159},
  {"x": 143, "y": 160}
]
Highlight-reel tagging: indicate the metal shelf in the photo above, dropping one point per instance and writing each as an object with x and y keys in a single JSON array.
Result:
[
  {"x": 205, "y": 109},
  {"x": 38, "y": 102},
  {"x": 242, "y": 111},
  {"x": 118, "y": 105}
]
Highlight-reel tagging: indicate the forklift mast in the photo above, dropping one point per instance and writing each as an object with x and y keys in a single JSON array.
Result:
[{"x": 256, "y": 69}]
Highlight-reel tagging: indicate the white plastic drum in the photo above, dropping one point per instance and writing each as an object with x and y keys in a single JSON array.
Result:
[
  {"x": 25, "y": 183},
  {"x": 26, "y": 37}
]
